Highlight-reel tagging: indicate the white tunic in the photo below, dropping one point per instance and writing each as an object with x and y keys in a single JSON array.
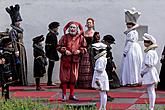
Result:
[
  {"x": 132, "y": 63},
  {"x": 150, "y": 72},
  {"x": 100, "y": 74}
]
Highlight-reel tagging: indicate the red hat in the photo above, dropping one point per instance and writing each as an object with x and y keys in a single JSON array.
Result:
[{"x": 73, "y": 22}]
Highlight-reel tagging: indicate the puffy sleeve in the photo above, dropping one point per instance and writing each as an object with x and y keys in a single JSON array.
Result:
[
  {"x": 99, "y": 66},
  {"x": 150, "y": 60},
  {"x": 61, "y": 46},
  {"x": 131, "y": 37}
]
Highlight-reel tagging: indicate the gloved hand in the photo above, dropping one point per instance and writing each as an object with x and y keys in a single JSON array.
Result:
[
  {"x": 124, "y": 55},
  {"x": 142, "y": 75},
  {"x": 98, "y": 83}
]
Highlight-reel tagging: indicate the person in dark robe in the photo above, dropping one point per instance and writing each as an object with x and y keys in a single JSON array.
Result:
[
  {"x": 86, "y": 67},
  {"x": 7, "y": 67},
  {"x": 40, "y": 60},
  {"x": 16, "y": 34},
  {"x": 114, "y": 81},
  {"x": 50, "y": 49},
  {"x": 161, "y": 84}
]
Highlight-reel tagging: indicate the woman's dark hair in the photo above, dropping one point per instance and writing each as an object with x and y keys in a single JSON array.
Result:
[
  {"x": 94, "y": 37},
  {"x": 148, "y": 41},
  {"x": 93, "y": 21},
  {"x": 130, "y": 23}
]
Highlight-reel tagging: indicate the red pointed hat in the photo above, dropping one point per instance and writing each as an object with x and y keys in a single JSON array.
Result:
[{"x": 73, "y": 22}]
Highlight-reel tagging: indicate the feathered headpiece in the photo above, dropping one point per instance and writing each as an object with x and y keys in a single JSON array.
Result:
[{"x": 14, "y": 13}]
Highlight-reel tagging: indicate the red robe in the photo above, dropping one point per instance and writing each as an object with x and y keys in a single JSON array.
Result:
[{"x": 69, "y": 64}]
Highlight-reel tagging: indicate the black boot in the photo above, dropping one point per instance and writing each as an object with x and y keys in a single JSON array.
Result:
[
  {"x": 74, "y": 98},
  {"x": 50, "y": 71},
  {"x": 109, "y": 98},
  {"x": 38, "y": 88},
  {"x": 5, "y": 91}
]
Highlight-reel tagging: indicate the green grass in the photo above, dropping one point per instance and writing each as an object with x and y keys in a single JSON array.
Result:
[
  {"x": 22, "y": 104},
  {"x": 40, "y": 104}
]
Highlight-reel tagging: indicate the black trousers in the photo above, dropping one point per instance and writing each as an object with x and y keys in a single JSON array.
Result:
[
  {"x": 37, "y": 82},
  {"x": 5, "y": 91},
  {"x": 50, "y": 71}
]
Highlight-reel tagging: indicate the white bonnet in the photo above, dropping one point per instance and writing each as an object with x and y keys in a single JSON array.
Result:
[{"x": 149, "y": 38}]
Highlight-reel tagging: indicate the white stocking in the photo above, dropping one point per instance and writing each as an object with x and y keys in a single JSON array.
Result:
[
  {"x": 103, "y": 100},
  {"x": 151, "y": 95}
]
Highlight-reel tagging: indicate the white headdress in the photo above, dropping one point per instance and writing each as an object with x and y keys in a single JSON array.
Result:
[{"x": 132, "y": 15}]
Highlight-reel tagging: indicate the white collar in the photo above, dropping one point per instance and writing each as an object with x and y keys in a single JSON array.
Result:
[{"x": 100, "y": 54}]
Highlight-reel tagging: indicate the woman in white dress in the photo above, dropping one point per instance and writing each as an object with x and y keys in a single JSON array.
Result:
[
  {"x": 100, "y": 77},
  {"x": 149, "y": 71},
  {"x": 132, "y": 54},
  {"x": 132, "y": 58}
]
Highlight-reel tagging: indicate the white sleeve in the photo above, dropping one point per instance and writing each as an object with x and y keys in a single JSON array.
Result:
[
  {"x": 99, "y": 67},
  {"x": 148, "y": 63},
  {"x": 130, "y": 38}
]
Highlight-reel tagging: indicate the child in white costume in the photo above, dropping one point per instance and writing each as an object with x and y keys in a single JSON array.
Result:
[
  {"x": 100, "y": 77},
  {"x": 149, "y": 72}
]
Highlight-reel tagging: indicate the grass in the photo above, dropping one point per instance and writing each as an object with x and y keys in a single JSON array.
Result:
[
  {"x": 37, "y": 104},
  {"x": 40, "y": 104},
  {"x": 22, "y": 104}
]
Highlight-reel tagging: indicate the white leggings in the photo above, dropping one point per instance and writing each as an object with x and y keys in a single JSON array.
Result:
[
  {"x": 103, "y": 100},
  {"x": 151, "y": 95}
]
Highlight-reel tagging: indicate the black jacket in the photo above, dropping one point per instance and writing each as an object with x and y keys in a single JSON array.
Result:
[
  {"x": 50, "y": 46},
  {"x": 9, "y": 68},
  {"x": 39, "y": 61}
]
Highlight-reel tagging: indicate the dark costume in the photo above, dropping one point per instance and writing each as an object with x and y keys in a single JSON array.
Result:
[
  {"x": 8, "y": 69},
  {"x": 113, "y": 78},
  {"x": 50, "y": 49},
  {"x": 86, "y": 67},
  {"x": 96, "y": 39},
  {"x": 39, "y": 60},
  {"x": 16, "y": 34},
  {"x": 161, "y": 84},
  {"x": 114, "y": 81}
]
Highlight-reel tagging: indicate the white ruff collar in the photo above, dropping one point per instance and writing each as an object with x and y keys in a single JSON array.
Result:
[
  {"x": 153, "y": 46},
  {"x": 100, "y": 54}
]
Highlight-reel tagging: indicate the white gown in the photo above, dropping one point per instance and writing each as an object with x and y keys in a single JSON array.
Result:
[
  {"x": 100, "y": 74},
  {"x": 132, "y": 63},
  {"x": 150, "y": 72}
]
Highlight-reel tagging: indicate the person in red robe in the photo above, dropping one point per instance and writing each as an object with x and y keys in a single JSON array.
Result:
[{"x": 71, "y": 46}]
